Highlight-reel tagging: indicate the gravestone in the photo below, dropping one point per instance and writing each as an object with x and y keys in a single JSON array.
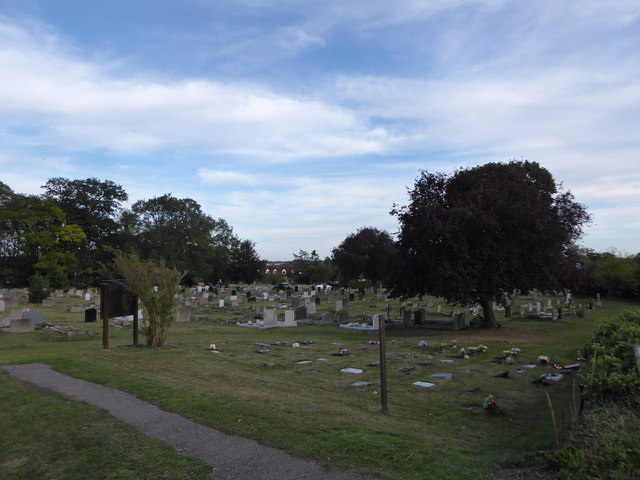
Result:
[
  {"x": 34, "y": 315},
  {"x": 338, "y": 305},
  {"x": 406, "y": 317},
  {"x": 352, "y": 297},
  {"x": 77, "y": 308},
  {"x": 419, "y": 316},
  {"x": 438, "y": 308},
  {"x": 48, "y": 302},
  {"x": 10, "y": 302},
  {"x": 345, "y": 301},
  {"x": 317, "y": 300},
  {"x": 203, "y": 301},
  {"x": 21, "y": 325},
  {"x": 90, "y": 315},
  {"x": 270, "y": 317},
  {"x": 327, "y": 318},
  {"x": 376, "y": 321},
  {"x": 251, "y": 299},
  {"x": 522, "y": 310},
  {"x": 87, "y": 297},
  {"x": 290, "y": 317},
  {"x": 1, "y": 305},
  {"x": 361, "y": 294},
  {"x": 221, "y": 303},
  {"x": 183, "y": 315},
  {"x": 295, "y": 301},
  {"x": 301, "y": 313},
  {"x": 311, "y": 309}
]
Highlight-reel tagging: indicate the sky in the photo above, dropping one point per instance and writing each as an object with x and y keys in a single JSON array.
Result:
[{"x": 301, "y": 121}]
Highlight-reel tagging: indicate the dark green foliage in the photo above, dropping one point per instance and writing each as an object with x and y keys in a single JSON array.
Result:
[
  {"x": 177, "y": 231},
  {"x": 613, "y": 371},
  {"x": 309, "y": 268},
  {"x": 38, "y": 288},
  {"x": 245, "y": 263},
  {"x": 605, "y": 446},
  {"x": 369, "y": 254},
  {"x": 615, "y": 274}
]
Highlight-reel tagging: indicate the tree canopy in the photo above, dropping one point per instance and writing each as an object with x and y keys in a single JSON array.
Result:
[
  {"x": 484, "y": 231},
  {"x": 370, "y": 253}
]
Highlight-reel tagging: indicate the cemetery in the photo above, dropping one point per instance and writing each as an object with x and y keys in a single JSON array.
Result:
[{"x": 305, "y": 376}]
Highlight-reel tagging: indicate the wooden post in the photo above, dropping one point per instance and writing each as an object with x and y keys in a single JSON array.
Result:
[
  {"x": 383, "y": 363},
  {"x": 104, "y": 313},
  {"x": 135, "y": 325}
]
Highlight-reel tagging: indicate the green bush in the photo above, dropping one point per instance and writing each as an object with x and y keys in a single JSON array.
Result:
[
  {"x": 612, "y": 370},
  {"x": 604, "y": 446},
  {"x": 38, "y": 288}
]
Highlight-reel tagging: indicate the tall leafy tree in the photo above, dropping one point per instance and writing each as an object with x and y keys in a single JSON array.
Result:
[
  {"x": 369, "y": 253},
  {"x": 483, "y": 231},
  {"x": 35, "y": 237},
  {"x": 244, "y": 263},
  {"x": 94, "y": 205},
  {"x": 176, "y": 230},
  {"x": 309, "y": 268}
]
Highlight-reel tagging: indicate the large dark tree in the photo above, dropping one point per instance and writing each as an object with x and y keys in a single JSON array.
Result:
[
  {"x": 370, "y": 253},
  {"x": 487, "y": 230},
  {"x": 177, "y": 231},
  {"x": 92, "y": 204},
  {"x": 245, "y": 264}
]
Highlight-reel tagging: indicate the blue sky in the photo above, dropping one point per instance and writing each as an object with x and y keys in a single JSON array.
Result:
[{"x": 300, "y": 121}]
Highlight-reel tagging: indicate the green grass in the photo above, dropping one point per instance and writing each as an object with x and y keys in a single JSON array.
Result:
[{"x": 311, "y": 410}]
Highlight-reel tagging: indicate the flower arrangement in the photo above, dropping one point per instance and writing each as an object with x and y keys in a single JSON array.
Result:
[
  {"x": 489, "y": 403},
  {"x": 512, "y": 352}
]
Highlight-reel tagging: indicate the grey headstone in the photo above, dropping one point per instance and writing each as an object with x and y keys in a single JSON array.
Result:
[{"x": 34, "y": 315}]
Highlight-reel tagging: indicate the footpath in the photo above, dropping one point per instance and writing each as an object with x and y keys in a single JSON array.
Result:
[{"x": 232, "y": 457}]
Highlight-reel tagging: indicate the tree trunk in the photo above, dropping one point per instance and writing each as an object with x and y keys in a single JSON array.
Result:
[{"x": 488, "y": 314}]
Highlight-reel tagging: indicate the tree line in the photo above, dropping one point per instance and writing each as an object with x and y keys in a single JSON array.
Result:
[
  {"x": 69, "y": 235},
  {"x": 472, "y": 237}
]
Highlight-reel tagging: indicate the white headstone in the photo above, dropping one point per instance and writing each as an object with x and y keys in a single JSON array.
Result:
[
  {"x": 376, "y": 322},
  {"x": 270, "y": 317},
  {"x": 289, "y": 318},
  {"x": 87, "y": 297},
  {"x": 221, "y": 303}
]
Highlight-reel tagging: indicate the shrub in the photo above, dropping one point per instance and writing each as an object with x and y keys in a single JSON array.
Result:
[
  {"x": 604, "y": 446},
  {"x": 155, "y": 285},
  {"x": 38, "y": 288},
  {"x": 612, "y": 372}
]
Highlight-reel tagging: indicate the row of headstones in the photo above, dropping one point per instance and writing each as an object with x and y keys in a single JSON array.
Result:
[{"x": 21, "y": 320}]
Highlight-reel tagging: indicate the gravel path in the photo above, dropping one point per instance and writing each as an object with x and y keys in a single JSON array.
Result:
[{"x": 233, "y": 458}]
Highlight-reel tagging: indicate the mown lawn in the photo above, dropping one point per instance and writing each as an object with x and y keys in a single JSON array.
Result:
[{"x": 311, "y": 409}]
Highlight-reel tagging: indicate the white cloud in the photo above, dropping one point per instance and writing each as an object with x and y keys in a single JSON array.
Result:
[{"x": 78, "y": 105}]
